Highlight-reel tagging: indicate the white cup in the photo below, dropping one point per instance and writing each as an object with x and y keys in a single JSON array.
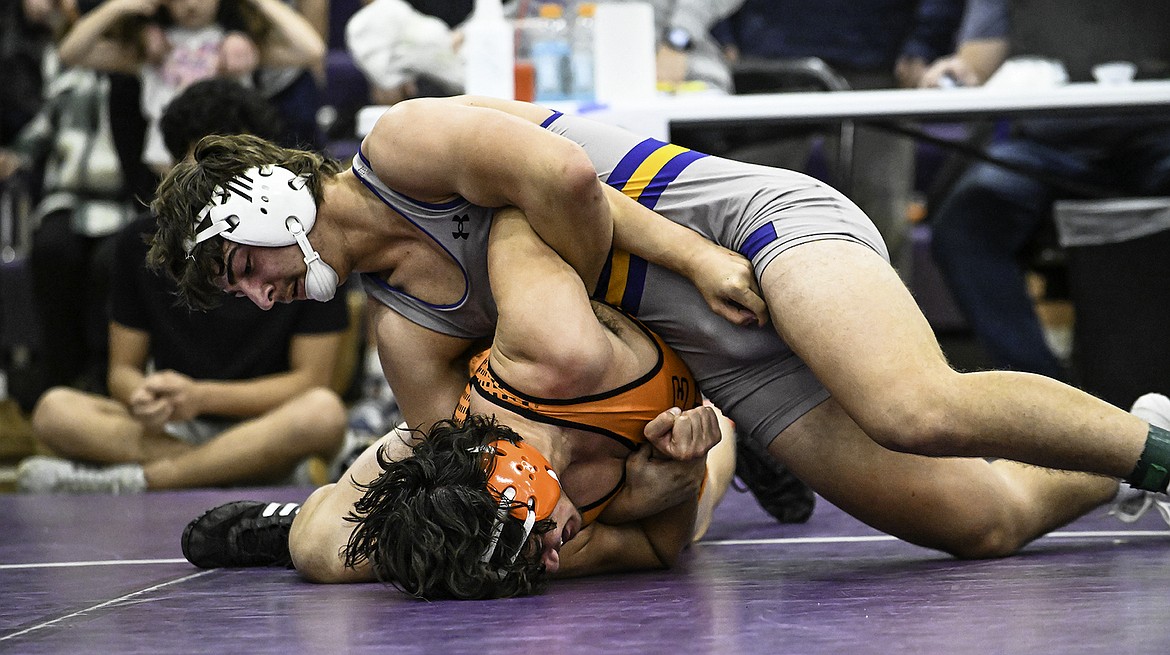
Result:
[{"x": 1115, "y": 72}]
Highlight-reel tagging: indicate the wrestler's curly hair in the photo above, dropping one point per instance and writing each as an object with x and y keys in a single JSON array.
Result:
[
  {"x": 187, "y": 189},
  {"x": 425, "y": 522}
]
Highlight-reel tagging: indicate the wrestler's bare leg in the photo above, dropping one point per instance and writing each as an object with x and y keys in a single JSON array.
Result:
[
  {"x": 878, "y": 448},
  {"x": 720, "y": 471},
  {"x": 320, "y": 532},
  {"x": 968, "y": 507}
]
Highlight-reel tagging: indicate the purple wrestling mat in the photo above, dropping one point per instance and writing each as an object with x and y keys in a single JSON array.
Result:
[{"x": 102, "y": 574}]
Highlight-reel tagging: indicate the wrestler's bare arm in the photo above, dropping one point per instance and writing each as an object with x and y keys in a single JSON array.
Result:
[
  {"x": 548, "y": 341},
  {"x": 427, "y": 370},
  {"x": 494, "y": 153},
  {"x": 652, "y": 543},
  {"x": 433, "y": 149}
]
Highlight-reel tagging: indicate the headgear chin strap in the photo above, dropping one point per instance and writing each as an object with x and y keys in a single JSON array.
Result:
[
  {"x": 525, "y": 483},
  {"x": 320, "y": 278},
  {"x": 267, "y": 206}
]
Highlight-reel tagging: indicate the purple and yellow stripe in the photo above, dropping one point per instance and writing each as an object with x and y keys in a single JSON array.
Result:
[{"x": 643, "y": 174}]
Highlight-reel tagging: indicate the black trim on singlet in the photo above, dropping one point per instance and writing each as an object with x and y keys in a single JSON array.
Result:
[
  {"x": 458, "y": 202},
  {"x": 564, "y": 423},
  {"x": 533, "y": 415},
  {"x": 584, "y": 509},
  {"x": 597, "y": 396}
]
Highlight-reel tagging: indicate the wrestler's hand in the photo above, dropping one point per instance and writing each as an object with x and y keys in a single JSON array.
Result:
[
  {"x": 684, "y": 436},
  {"x": 654, "y": 483},
  {"x": 728, "y": 284}
]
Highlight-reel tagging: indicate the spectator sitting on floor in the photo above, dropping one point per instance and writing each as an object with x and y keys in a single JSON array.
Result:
[{"x": 238, "y": 395}]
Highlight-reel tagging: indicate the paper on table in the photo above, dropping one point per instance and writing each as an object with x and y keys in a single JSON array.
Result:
[{"x": 624, "y": 51}]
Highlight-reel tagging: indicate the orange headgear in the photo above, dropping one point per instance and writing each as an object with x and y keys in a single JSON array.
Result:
[{"x": 525, "y": 483}]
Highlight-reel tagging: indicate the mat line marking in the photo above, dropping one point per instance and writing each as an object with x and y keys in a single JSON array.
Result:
[
  {"x": 1088, "y": 534},
  {"x": 108, "y": 562},
  {"x": 99, "y": 606}
]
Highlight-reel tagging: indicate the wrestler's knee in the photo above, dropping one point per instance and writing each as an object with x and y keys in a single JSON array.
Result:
[
  {"x": 918, "y": 417},
  {"x": 911, "y": 426},
  {"x": 987, "y": 534}
]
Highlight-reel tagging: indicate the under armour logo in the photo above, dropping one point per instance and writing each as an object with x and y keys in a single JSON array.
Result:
[{"x": 460, "y": 221}]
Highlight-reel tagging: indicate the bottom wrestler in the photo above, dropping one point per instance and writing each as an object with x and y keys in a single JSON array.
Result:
[{"x": 587, "y": 387}]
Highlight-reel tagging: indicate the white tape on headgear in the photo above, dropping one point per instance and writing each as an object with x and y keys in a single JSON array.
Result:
[{"x": 271, "y": 207}]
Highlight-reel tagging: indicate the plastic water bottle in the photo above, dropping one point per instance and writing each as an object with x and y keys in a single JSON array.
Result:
[
  {"x": 551, "y": 54},
  {"x": 487, "y": 51},
  {"x": 582, "y": 43},
  {"x": 525, "y": 71}
]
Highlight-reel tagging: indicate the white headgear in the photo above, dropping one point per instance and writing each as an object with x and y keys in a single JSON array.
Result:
[{"x": 267, "y": 206}]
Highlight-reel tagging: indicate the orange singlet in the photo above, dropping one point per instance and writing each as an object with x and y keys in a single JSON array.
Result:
[{"x": 620, "y": 414}]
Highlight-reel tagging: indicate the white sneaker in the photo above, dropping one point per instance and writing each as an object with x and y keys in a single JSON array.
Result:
[
  {"x": 1153, "y": 408},
  {"x": 41, "y": 474},
  {"x": 1130, "y": 504}
]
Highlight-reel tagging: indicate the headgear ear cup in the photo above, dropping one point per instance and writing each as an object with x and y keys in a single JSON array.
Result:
[{"x": 252, "y": 209}]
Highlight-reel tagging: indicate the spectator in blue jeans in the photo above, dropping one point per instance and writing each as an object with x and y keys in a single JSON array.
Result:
[{"x": 991, "y": 217}]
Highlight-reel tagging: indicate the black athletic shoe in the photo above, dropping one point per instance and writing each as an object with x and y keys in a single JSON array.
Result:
[
  {"x": 243, "y": 533},
  {"x": 778, "y": 491}
]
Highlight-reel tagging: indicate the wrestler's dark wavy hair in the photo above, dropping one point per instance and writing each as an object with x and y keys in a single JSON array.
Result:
[
  {"x": 425, "y": 522},
  {"x": 186, "y": 190}
]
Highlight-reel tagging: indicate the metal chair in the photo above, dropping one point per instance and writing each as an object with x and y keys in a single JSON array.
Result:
[{"x": 800, "y": 74}]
